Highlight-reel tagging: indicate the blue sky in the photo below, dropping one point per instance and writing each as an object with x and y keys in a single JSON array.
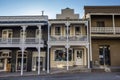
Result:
[{"x": 50, "y": 7}]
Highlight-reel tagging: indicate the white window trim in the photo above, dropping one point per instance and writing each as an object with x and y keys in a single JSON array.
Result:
[
  {"x": 60, "y": 30},
  {"x": 8, "y": 31},
  {"x": 75, "y": 30},
  {"x": 21, "y": 57}
]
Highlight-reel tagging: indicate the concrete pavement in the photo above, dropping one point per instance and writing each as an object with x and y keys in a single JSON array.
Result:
[{"x": 69, "y": 76}]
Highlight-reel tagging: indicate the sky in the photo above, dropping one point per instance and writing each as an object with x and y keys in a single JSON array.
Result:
[{"x": 50, "y": 7}]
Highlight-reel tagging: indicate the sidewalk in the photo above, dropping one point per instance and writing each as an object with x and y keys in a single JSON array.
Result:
[{"x": 14, "y": 74}]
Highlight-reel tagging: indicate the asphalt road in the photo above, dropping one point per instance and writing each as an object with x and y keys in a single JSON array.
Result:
[{"x": 69, "y": 76}]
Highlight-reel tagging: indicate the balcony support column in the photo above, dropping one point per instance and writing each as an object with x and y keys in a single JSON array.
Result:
[
  {"x": 38, "y": 60},
  {"x": 48, "y": 58},
  {"x": 67, "y": 48},
  {"x": 22, "y": 60},
  {"x": 113, "y": 17},
  {"x": 90, "y": 42},
  {"x": 88, "y": 51},
  {"x": 67, "y": 44},
  {"x": 48, "y": 49}
]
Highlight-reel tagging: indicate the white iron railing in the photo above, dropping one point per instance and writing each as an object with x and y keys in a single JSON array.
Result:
[
  {"x": 58, "y": 38},
  {"x": 20, "y": 41},
  {"x": 70, "y": 38},
  {"x": 102, "y": 29},
  {"x": 78, "y": 38},
  {"x": 117, "y": 29}
]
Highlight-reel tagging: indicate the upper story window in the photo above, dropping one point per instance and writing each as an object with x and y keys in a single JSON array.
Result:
[
  {"x": 77, "y": 30},
  {"x": 100, "y": 24},
  {"x": 7, "y": 33},
  {"x": 37, "y": 33},
  {"x": 57, "y": 30}
]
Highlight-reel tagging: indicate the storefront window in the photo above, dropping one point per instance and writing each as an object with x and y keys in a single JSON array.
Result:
[
  {"x": 61, "y": 55},
  {"x": 19, "y": 57},
  {"x": 1, "y": 63}
]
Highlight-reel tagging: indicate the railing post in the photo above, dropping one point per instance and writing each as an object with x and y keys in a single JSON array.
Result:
[
  {"x": 49, "y": 31},
  {"x": 23, "y": 33},
  {"x": 114, "y": 31},
  {"x": 87, "y": 31},
  {"x": 39, "y": 28}
]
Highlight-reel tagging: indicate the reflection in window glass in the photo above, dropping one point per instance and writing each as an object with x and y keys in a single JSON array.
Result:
[
  {"x": 60, "y": 55},
  {"x": 1, "y": 63}
]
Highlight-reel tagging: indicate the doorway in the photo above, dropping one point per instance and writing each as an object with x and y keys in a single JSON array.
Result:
[
  {"x": 35, "y": 61},
  {"x": 5, "y": 60},
  {"x": 18, "y": 61},
  {"x": 104, "y": 55},
  {"x": 79, "y": 57}
]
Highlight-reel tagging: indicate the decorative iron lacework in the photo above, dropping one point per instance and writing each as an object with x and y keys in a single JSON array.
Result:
[{"x": 9, "y": 22}]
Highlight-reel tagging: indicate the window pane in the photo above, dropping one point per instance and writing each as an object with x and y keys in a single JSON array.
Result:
[
  {"x": 100, "y": 24},
  {"x": 1, "y": 63},
  {"x": 57, "y": 30},
  {"x": 60, "y": 55},
  {"x": 77, "y": 30}
]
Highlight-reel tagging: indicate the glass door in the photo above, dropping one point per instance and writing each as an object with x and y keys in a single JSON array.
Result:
[
  {"x": 79, "y": 57},
  {"x": 104, "y": 55},
  {"x": 18, "y": 62}
]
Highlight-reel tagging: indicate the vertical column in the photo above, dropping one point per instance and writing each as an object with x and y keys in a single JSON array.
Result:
[
  {"x": 23, "y": 36},
  {"x": 38, "y": 60},
  {"x": 113, "y": 24},
  {"x": 48, "y": 58},
  {"x": 90, "y": 43},
  {"x": 43, "y": 64},
  {"x": 49, "y": 32},
  {"x": 39, "y": 27},
  {"x": 48, "y": 50},
  {"x": 22, "y": 47},
  {"x": 67, "y": 44},
  {"x": 22, "y": 60},
  {"x": 88, "y": 51},
  {"x": 67, "y": 47},
  {"x": 86, "y": 25}
]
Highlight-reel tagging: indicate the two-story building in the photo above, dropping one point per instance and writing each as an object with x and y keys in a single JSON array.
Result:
[
  {"x": 104, "y": 22},
  {"x": 23, "y": 43},
  {"x": 34, "y": 43},
  {"x": 68, "y": 41}
]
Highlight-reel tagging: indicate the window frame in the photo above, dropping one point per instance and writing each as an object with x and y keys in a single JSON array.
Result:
[{"x": 58, "y": 32}]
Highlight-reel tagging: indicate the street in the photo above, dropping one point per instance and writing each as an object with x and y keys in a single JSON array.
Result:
[{"x": 69, "y": 76}]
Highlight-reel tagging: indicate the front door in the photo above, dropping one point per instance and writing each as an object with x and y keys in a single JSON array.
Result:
[
  {"x": 5, "y": 60},
  {"x": 79, "y": 57},
  {"x": 35, "y": 61},
  {"x": 104, "y": 55},
  {"x": 18, "y": 61}
]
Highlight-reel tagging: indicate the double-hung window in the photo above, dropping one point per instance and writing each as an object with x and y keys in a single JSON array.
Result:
[{"x": 57, "y": 30}]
